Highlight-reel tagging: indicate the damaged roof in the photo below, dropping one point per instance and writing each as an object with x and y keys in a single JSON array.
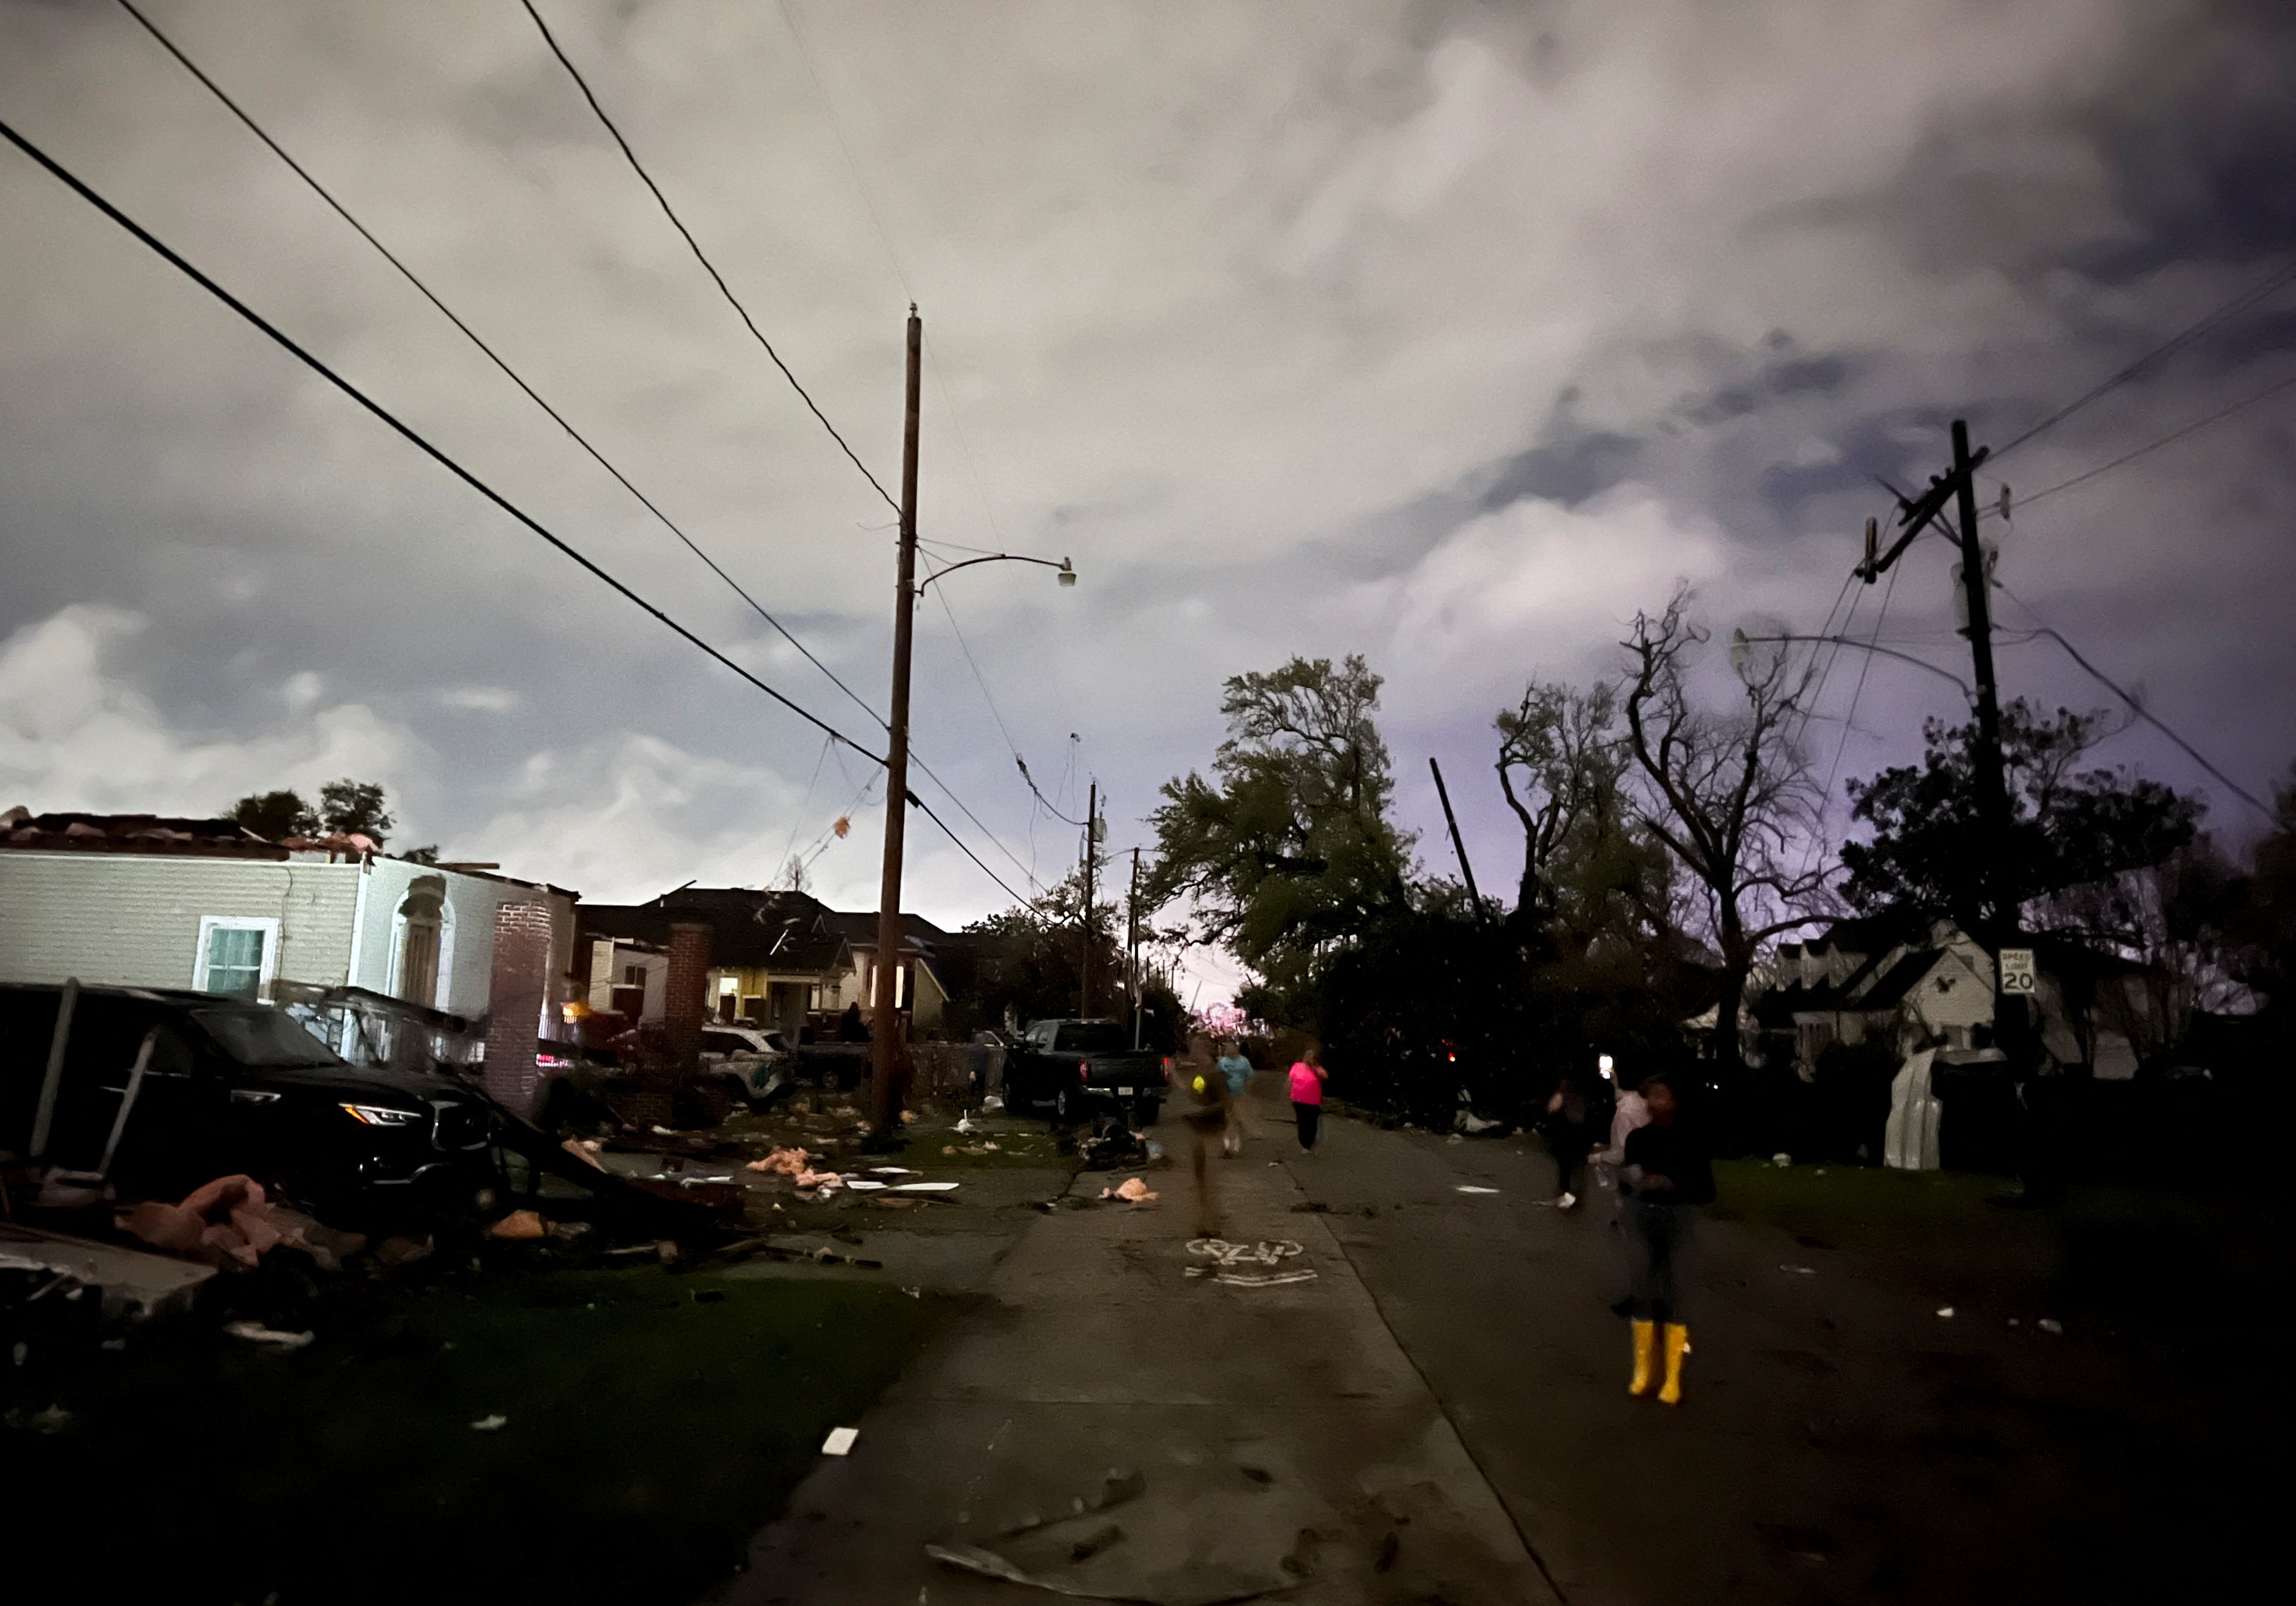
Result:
[
  {"x": 134, "y": 833},
  {"x": 753, "y": 929}
]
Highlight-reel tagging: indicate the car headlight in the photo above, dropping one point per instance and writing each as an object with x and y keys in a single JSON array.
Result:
[{"x": 382, "y": 1114}]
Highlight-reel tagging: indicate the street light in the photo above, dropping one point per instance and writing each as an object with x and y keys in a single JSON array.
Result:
[
  {"x": 1604, "y": 1063},
  {"x": 1066, "y": 570}
]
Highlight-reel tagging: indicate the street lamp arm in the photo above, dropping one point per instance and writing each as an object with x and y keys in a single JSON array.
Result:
[{"x": 1068, "y": 572}]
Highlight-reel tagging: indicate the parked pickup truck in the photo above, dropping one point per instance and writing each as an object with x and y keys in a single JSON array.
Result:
[{"x": 1084, "y": 1068}]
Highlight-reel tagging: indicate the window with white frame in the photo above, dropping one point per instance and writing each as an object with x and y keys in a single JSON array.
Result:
[{"x": 237, "y": 956}]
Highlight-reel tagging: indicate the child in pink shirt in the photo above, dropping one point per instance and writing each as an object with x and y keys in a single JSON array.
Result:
[{"x": 1308, "y": 1075}]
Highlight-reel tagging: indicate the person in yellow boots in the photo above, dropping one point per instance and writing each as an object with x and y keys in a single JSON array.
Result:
[{"x": 1666, "y": 1178}]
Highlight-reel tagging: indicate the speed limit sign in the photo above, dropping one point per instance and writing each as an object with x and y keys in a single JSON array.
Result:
[{"x": 2018, "y": 979}]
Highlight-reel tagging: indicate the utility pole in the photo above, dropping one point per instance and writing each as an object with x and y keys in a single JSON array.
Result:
[
  {"x": 1132, "y": 944},
  {"x": 1993, "y": 790},
  {"x": 1458, "y": 845},
  {"x": 1091, "y": 862},
  {"x": 1959, "y": 486},
  {"x": 886, "y": 1049}
]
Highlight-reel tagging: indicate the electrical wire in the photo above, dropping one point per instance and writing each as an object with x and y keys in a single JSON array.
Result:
[
  {"x": 493, "y": 356},
  {"x": 419, "y": 441},
  {"x": 961, "y": 846},
  {"x": 797, "y": 821},
  {"x": 694, "y": 246},
  {"x": 667, "y": 522},
  {"x": 948, "y": 401},
  {"x": 2170, "y": 439},
  {"x": 2229, "y": 309},
  {"x": 2136, "y": 706}
]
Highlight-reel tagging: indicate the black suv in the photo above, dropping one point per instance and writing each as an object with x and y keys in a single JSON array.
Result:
[{"x": 232, "y": 1086}]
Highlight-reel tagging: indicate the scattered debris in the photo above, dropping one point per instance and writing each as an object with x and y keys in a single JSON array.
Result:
[
  {"x": 788, "y": 1162},
  {"x": 395, "y": 1252},
  {"x": 840, "y": 1441},
  {"x": 519, "y": 1225},
  {"x": 1474, "y": 1125},
  {"x": 924, "y": 1187},
  {"x": 1945, "y": 1312},
  {"x": 1115, "y": 1490},
  {"x": 2050, "y": 1324},
  {"x": 1472, "y": 1187},
  {"x": 585, "y": 1149},
  {"x": 231, "y": 1220},
  {"x": 1132, "y": 1188},
  {"x": 1300, "y": 1562},
  {"x": 1782, "y": 1161},
  {"x": 862, "y": 1184},
  {"x": 1797, "y": 1270},
  {"x": 495, "y": 1423},
  {"x": 1096, "y": 1542},
  {"x": 130, "y": 1282},
  {"x": 255, "y": 1332}
]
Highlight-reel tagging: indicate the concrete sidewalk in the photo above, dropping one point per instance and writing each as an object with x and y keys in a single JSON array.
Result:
[{"x": 1279, "y": 1438}]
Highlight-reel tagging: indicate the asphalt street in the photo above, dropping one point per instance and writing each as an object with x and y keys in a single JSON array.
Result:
[
  {"x": 1840, "y": 1439},
  {"x": 1423, "y": 1399}
]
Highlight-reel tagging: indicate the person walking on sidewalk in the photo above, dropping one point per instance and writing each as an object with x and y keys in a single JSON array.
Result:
[
  {"x": 1196, "y": 1076},
  {"x": 1237, "y": 1071},
  {"x": 1668, "y": 1176},
  {"x": 1628, "y": 1113},
  {"x": 1308, "y": 1075},
  {"x": 1565, "y": 1130}
]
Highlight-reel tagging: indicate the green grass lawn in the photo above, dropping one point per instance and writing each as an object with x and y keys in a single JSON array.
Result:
[{"x": 650, "y": 1433}]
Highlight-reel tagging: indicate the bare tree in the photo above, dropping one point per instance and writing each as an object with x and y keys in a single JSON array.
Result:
[{"x": 1730, "y": 795}]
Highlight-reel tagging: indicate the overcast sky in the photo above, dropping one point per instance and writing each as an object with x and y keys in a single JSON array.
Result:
[{"x": 1446, "y": 334}]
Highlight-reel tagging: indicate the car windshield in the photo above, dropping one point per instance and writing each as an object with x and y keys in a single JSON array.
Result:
[
  {"x": 264, "y": 1037},
  {"x": 1091, "y": 1037}
]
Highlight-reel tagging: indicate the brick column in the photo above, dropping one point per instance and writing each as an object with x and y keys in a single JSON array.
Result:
[
  {"x": 687, "y": 994},
  {"x": 515, "y": 995}
]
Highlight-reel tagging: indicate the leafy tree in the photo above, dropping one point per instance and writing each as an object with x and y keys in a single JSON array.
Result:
[
  {"x": 275, "y": 815},
  {"x": 1729, "y": 795},
  {"x": 1028, "y": 958},
  {"x": 2072, "y": 825},
  {"x": 1588, "y": 868},
  {"x": 349, "y": 807},
  {"x": 1286, "y": 852}
]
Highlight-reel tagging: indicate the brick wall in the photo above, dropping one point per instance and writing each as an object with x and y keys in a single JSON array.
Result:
[
  {"x": 519, "y": 988},
  {"x": 688, "y": 992}
]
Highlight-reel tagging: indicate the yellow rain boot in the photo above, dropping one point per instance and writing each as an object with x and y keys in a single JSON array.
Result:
[
  {"x": 1677, "y": 1345},
  {"x": 1646, "y": 1345}
]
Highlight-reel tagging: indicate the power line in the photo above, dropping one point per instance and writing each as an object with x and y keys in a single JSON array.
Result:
[
  {"x": 698, "y": 255},
  {"x": 408, "y": 432},
  {"x": 493, "y": 356},
  {"x": 2170, "y": 439},
  {"x": 969, "y": 853},
  {"x": 2232, "y": 309},
  {"x": 948, "y": 400},
  {"x": 2136, "y": 706},
  {"x": 415, "y": 280}
]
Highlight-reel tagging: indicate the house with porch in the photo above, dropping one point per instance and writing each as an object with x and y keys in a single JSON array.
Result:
[
  {"x": 1911, "y": 984},
  {"x": 783, "y": 960}
]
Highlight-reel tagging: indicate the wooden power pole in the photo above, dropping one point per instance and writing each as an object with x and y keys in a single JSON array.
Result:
[
  {"x": 886, "y": 1049},
  {"x": 1091, "y": 863},
  {"x": 1958, "y": 485},
  {"x": 1458, "y": 845},
  {"x": 1132, "y": 946}
]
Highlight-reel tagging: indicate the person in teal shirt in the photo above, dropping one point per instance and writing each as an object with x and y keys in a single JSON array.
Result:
[{"x": 1237, "y": 1069}]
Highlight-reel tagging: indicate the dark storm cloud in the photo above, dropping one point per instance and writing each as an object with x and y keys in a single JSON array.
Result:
[{"x": 1448, "y": 333}]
